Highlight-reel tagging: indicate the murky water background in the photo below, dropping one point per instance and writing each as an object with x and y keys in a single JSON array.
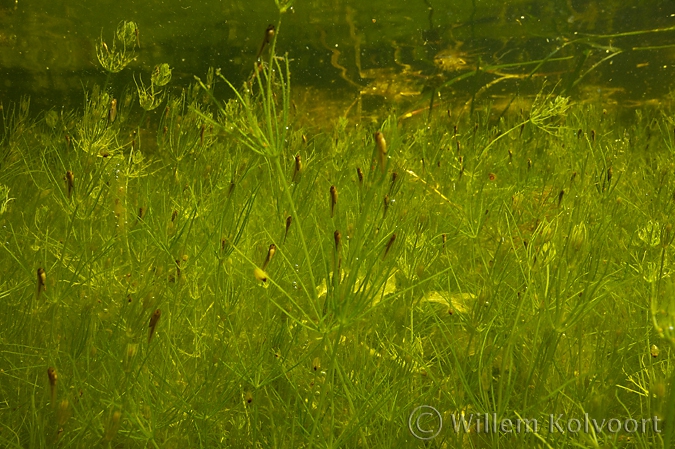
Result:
[{"x": 354, "y": 57}]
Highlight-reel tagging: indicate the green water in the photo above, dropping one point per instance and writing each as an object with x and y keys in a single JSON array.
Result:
[{"x": 49, "y": 47}]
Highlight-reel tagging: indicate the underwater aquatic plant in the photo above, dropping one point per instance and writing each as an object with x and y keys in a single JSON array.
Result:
[
  {"x": 148, "y": 96},
  {"x": 121, "y": 52}
]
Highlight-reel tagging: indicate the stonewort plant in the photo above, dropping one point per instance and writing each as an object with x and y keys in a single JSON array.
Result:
[{"x": 230, "y": 279}]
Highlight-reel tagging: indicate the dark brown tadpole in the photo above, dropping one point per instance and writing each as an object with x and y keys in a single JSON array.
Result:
[
  {"x": 389, "y": 245},
  {"x": 51, "y": 373},
  {"x": 297, "y": 168},
  {"x": 41, "y": 280},
  {"x": 289, "y": 220},
  {"x": 333, "y": 200},
  {"x": 269, "y": 35},
  {"x": 337, "y": 237},
  {"x": 394, "y": 177},
  {"x": 359, "y": 172},
  {"x": 70, "y": 183},
  {"x": 153, "y": 323}
]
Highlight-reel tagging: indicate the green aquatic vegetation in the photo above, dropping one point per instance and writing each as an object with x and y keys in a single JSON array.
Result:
[
  {"x": 121, "y": 52},
  {"x": 245, "y": 282},
  {"x": 148, "y": 96}
]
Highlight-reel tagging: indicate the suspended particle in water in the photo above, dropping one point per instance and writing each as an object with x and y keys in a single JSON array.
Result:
[
  {"x": 333, "y": 199},
  {"x": 289, "y": 220},
  {"x": 270, "y": 253},
  {"x": 153, "y": 323},
  {"x": 51, "y": 374},
  {"x": 70, "y": 183},
  {"x": 41, "y": 280},
  {"x": 381, "y": 145}
]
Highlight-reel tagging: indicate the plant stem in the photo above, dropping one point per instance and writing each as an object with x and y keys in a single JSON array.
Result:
[{"x": 289, "y": 197}]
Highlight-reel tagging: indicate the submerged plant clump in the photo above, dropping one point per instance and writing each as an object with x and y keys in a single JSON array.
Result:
[
  {"x": 236, "y": 281},
  {"x": 122, "y": 50}
]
